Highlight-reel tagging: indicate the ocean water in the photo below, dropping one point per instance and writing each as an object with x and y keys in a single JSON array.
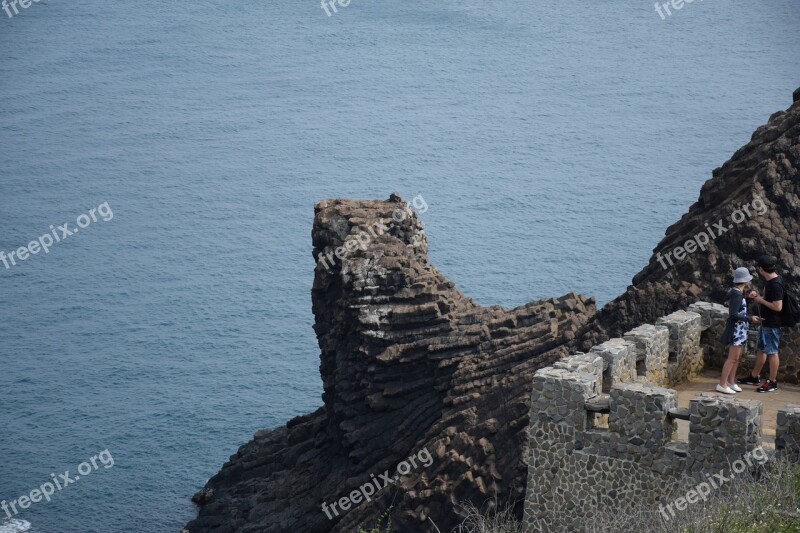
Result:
[{"x": 553, "y": 143}]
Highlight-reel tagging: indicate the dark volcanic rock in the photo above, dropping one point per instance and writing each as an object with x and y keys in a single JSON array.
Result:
[{"x": 408, "y": 362}]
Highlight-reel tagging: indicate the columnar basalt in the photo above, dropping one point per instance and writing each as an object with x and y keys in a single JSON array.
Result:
[{"x": 407, "y": 362}]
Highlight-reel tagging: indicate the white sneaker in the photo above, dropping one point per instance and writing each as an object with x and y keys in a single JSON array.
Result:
[
  {"x": 735, "y": 387},
  {"x": 725, "y": 390}
]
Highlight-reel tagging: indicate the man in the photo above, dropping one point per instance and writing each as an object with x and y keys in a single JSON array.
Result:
[{"x": 769, "y": 334}]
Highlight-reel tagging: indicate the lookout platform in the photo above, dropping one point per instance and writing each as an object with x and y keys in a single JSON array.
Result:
[{"x": 707, "y": 380}]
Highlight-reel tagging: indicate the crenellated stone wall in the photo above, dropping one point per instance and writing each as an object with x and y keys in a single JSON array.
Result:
[{"x": 603, "y": 426}]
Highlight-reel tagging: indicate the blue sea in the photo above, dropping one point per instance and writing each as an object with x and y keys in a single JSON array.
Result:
[{"x": 553, "y": 143}]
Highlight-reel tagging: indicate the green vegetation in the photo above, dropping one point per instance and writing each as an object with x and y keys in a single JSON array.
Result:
[
  {"x": 772, "y": 506},
  {"x": 766, "y": 502},
  {"x": 385, "y": 517}
]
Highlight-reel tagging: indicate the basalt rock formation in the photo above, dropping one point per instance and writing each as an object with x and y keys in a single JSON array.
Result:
[{"x": 409, "y": 363}]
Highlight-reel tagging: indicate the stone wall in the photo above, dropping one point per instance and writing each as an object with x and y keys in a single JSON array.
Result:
[
  {"x": 577, "y": 464},
  {"x": 712, "y": 322}
]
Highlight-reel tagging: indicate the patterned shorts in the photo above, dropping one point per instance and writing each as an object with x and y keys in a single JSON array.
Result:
[{"x": 740, "y": 333}]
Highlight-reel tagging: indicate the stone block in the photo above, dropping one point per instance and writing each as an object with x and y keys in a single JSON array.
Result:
[
  {"x": 619, "y": 358},
  {"x": 787, "y": 433},
  {"x": 651, "y": 344},
  {"x": 639, "y": 422},
  {"x": 685, "y": 352},
  {"x": 723, "y": 429},
  {"x": 712, "y": 322}
]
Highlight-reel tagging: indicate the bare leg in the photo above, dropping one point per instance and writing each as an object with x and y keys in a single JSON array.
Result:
[
  {"x": 774, "y": 363},
  {"x": 761, "y": 358},
  {"x": 737, "y": 354},
  {"x": 730, "y": 364}
]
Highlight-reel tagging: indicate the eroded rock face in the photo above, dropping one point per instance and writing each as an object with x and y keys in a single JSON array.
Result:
[
  {"x": 762, "y": 178},
  {"x": 410, "y": 363}
]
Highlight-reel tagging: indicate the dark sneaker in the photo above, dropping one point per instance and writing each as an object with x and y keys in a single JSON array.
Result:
[
  {"x": 750, "y": 380},
  {"x": 768, "y": 386}
]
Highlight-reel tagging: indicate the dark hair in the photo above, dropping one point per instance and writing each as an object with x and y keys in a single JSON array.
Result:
[{"x": 767, "y": 263}]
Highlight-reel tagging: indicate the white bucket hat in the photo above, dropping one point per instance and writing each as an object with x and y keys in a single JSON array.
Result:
[{"x": 742, "y": 275}]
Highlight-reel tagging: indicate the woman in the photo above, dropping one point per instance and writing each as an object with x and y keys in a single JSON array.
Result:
[{"x": 735, "y": 333}]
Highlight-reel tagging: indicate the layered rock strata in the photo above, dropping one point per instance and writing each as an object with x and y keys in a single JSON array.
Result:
[{"x": 408, "y": 363}]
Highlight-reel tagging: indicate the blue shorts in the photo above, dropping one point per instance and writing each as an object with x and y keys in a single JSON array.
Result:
[{"x": 768, "y": 340}]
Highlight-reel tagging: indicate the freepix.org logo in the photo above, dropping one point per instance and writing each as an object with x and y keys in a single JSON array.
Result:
[
  {"x": 675, "y": 4},
  {"x": 376, "y": 484},
  {"x": 364, "y": 238},
  {"x": 329, "y": 5},
  {"x": 711, "y": 232},
  {"x": 12, "y": 5},
  {"x": 56, "y": 235},
  {"x": 60, "y": 482},
  {"x": 702, "y": 490}
]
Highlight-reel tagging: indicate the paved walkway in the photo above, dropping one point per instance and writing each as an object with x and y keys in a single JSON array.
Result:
[{"x": 771, "y": 400}]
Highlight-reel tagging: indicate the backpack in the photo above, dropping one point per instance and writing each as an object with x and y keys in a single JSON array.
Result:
[{"x": 790, "y": 314}]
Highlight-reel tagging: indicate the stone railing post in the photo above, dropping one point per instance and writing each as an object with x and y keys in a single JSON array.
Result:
[
  {"x": 685, "y": 354},
  {"x": 639, "y": 423},
  {"x": 652, "y": 352},
  {"x": 619, "y": 356},
  {"x": 722, "y": 430}
]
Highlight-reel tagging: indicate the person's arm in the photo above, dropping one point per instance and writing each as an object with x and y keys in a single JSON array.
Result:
[{"x": 776, "y": 305}]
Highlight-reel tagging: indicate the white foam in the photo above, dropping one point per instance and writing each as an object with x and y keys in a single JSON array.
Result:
[{"x": 15, "y": 526}]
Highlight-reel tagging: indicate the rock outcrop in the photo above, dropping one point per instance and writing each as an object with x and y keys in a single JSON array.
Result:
[{"x": 409, "y": 363}]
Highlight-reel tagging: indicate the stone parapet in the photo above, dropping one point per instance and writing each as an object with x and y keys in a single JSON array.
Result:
[{"x": 602, "y": 425}]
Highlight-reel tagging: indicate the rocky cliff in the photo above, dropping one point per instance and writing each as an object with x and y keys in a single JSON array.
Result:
[
  {"x": 410, "y": 363},
  {"x": 749, "y": 207}
]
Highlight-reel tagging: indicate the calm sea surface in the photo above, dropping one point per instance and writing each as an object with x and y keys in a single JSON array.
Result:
[{"x": 553, "y": 142}]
